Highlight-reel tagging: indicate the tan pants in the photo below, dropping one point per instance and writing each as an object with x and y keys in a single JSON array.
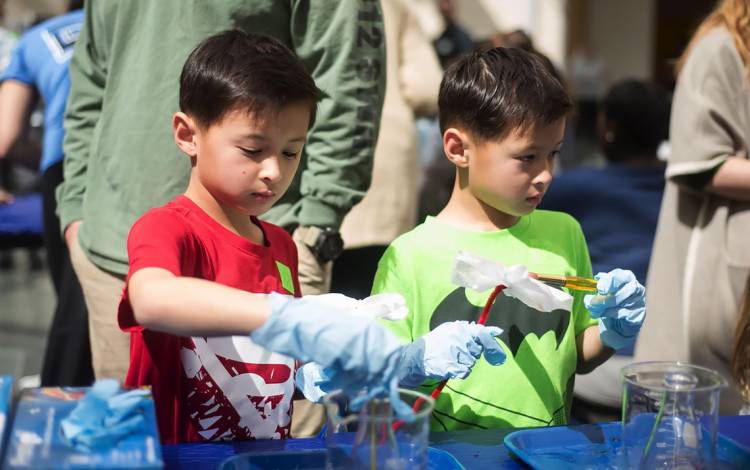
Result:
[
  {"x": 110, "y": 347},
  {"x": 308, "y": 418}
]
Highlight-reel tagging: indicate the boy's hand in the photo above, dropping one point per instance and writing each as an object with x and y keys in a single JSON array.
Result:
[
  {"x": 450, "y": 351},
  {"x": 71, "y": 234},
  {"x": 358, "y": 354},
  {"x": 447, "y": 352},
  {"x": 620, "y": 306}
]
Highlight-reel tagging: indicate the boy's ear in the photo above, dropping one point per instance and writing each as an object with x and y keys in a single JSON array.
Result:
[
  {"x": 185, "y": 130},
  {"x": 455, "y": 145}
]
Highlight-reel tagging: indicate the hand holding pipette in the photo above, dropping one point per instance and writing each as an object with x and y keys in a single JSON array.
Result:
[{"x": 620, "y": 307}]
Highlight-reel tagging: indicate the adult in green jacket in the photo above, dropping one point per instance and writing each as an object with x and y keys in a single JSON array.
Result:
[{"x": 121, "y": 159}]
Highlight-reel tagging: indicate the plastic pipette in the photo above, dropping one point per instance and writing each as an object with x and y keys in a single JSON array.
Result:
[{"x": 571, "y": 282}]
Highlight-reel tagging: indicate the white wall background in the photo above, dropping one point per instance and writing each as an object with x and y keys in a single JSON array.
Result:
[
  {"x": 623, "y": 35},
  {"x": 621, "y": 32}
]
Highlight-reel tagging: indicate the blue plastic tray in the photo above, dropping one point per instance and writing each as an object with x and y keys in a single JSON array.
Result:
[
  {"x": 595, "y": 446},
  {"x": 316, "y": 459}
]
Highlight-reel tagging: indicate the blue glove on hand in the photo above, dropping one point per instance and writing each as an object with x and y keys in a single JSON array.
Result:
[
  {"x": 104, "y": 416},
  {"x": 450, "y": 351},
  {"x": 620, "y": 306},
  {"x": 357, "y": 353}
]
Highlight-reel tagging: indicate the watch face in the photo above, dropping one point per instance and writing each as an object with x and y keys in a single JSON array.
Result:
[{"x": 330, "y": 245}]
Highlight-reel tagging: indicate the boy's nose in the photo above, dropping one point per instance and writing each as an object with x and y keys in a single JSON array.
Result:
[
  {"x": 270, "y": 170},
  {"x": 544, "y": 177}
]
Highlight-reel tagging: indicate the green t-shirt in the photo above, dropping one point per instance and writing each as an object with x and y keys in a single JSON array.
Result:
[{"x": 534, "y": 387}]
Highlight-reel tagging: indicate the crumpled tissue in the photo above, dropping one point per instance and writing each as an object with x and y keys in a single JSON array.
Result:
[{"x": 480, "y": 274}]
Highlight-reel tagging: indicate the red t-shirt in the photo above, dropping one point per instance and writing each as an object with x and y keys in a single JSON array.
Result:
[{"x": 219, "y": 388}]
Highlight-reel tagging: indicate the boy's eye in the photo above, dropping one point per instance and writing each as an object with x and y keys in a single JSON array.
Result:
[
  {"x": 250, "y": 152},
  {"x": 526, "y": 158},
  {"x": 290, "y": 155}
]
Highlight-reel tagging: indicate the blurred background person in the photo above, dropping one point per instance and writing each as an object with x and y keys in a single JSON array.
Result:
[
  {"x": 618, "y": 208},
  {"x": 454, "y": 41},
  {"x": 389, "y": 207},
  {"x": 701, "y": 257},
  {"x": 39, "y": 68}
]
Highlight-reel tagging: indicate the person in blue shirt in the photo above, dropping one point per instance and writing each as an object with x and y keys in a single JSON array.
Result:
[
  {"x": 38, "y": 69},
  {"x": 618, "y": 208}
]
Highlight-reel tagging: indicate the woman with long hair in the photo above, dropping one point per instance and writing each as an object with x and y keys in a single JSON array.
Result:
[{"x": 701, "y": 258}]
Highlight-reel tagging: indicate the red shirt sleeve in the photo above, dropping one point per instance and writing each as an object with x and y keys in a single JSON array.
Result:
[{"x": 159, "y": 239}]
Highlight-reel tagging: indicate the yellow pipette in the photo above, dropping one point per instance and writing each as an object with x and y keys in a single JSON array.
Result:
[{"x": 571, "y": 282}]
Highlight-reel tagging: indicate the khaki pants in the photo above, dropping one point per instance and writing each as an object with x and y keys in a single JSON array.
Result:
[
  {"x": 110, "y": 347},
  {"x": 308, "y": 418}
]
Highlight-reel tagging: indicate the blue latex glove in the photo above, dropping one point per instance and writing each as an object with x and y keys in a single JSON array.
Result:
[
  {"x": 620, "y": 306},
  {"x": 360, "y": 356},
  {"x": 450, "y": 351},
  {"x": 104, "y": 416},
  {"x": 447, "y": 352}
]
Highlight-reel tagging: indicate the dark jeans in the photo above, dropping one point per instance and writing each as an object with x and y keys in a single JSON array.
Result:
[{"x": 67, "y": 359}]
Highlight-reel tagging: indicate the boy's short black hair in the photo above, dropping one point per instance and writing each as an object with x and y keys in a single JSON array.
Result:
[
  {"x": 493, "y": 91},
  {"x": 640, "y": 113},
  {"x": 235, "y": 70}
]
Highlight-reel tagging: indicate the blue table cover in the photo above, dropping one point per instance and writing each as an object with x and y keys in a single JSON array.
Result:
[{"x": 482, "y": 449}]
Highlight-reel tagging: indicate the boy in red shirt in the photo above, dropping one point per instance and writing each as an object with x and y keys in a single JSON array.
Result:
[{"x": 198, "y": 263}]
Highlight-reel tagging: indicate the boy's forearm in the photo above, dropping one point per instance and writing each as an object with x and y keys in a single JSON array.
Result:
[
  {"x": 194, "y": 307},
  {"x": 591, "y": 352}
]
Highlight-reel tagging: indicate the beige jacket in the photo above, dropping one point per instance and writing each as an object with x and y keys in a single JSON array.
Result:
[
  {"x": 701, "y": 254},
  {"x": 413, "y": 77}
]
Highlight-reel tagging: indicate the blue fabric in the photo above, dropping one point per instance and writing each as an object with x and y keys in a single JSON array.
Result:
[
  {"x": 41, "y": 59},
  {"x": 618, "y": 208},
  {"x": 104, "y": 416},
  {"x": 23, "y": 216}
]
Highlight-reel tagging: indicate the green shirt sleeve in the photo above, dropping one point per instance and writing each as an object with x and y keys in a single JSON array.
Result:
[
  {"x": 342, "y": 43},
  {"x": 87, "y": 83},
  {"x": 390, "y": 278}
]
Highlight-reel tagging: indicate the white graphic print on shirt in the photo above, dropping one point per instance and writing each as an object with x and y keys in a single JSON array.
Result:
[{"x": 238, "y": 389}]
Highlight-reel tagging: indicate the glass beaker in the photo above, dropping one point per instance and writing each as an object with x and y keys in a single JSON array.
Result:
[
  {"x": 670, "y": 415},
  {"x": 373, "y": 437}
]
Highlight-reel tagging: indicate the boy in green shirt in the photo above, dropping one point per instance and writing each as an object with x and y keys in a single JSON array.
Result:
[{"x": 502, "y": 115}]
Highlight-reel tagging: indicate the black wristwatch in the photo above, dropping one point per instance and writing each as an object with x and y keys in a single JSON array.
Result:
[{"x": 325, "y": 242}]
